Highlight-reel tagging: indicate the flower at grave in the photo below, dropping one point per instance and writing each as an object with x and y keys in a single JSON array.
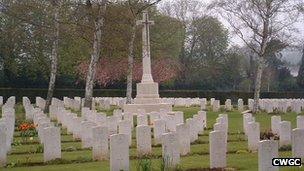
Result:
[
  {"x": 26, "y": 126},
  {"x": 28, "y": 131}
]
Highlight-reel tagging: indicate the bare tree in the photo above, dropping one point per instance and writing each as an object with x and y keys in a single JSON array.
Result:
[
  {"x": 99, "y": 23},
  {"x": 54, "y": 55},
  {"x": 256, "y": 23}
]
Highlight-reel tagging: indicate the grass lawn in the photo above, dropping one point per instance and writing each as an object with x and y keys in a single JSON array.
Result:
[{"x": 29, "y": 157}]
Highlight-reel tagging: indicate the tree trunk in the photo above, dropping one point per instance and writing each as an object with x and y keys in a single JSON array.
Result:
[
  {"x": 258, "y": 80},
  {"x": 257, "y": 84},
  {"x": 130, "y": 65},
  {"x": 182, "y": 57},
  {"x": 99, "y": 22},
  {"x": 54, "y": 57}
]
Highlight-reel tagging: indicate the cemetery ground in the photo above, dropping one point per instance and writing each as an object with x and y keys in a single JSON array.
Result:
[{"x": 27, "y": 153}]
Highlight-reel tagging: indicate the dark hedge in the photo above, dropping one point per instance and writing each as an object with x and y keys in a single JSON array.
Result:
[{"x": 222, "y": 96}]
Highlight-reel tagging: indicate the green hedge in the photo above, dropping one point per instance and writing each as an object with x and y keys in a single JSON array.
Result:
[{"x": 222, "y": 96}]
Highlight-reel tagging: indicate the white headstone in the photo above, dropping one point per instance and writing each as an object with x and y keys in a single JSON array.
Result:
[
  {"x": 192, "y": 129},
  {"x": 253, "y": 136},
  {"x": 87, "y": 134},
  {"x": 143, "y": 140},
  {"x": 142, "y": 119},
  {"x": 52, "y": 144},
  {"x": 216, "y": 106},
  {"x": 170, "y": 150},
  {"x": 3, "y": 145},
  {"x": 100, "y": 143},
  {"x": 300, "y": 122},
  {"x": 41, "y": 127},
  {"x": 275, "y": 124},
  {"x": 5, "y": 126},
  {"x": 179, "y": 117},
  {"x": 211, "y": 101},
  {"x": 285, "y": 133},
  {"x": 118, "y": 113},
  {"x": 268, "y": 149},
  {"x": 170, "y": 123},
  {"x": 297, "y": 143},
  {"x": 154, "y": 116},
  {"x": 158, "y": 130},
  {"x": 119, "y": 152},
  {"x": 182, "y": 131},
  {"x": 198, "y": 124},
  {"x": 240, "y": 105},
  {"x": 129, "y": 117},
  {"x": 112, "y": 124},
  {"x": 124, "y": 127},
  {"x": 220, "y": 126},
  {"x": 228, "y": 105},
  {"x": 246, "y": 119},
  {"x": 202, "y": 115},
  {"x": 217, "y": 149},
  {"x": 76, "y": 128},
  {"x": 225, "y": 121}
]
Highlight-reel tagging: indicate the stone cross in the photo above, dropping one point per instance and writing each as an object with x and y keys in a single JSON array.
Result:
[{"x": 147, "y": 76}]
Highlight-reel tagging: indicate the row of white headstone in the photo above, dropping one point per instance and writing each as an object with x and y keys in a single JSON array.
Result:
[
  {"x": 169, "y": 129},
  {"x": 177, "y": 102},
  {"x": 74, "y": 103},
  {"x": 103, "y": 104},
  {"x": 268, "y": 105},
  {"x": 280, "y": 105},
  {"x": 7, "y": 127},
  {"x": 49, "y": 135},
  {"x": 216, "y": 106},
  {"x": 114, "y": 101},
  {"x": 71, "y": 103},
  {"x": 218, "y": 142},
  {"x": 167, "y": 134},
  {"x": 268, "y": 149},
  {"x": 283, "y": 128}
]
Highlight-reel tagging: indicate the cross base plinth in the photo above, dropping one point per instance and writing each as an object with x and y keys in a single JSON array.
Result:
[
  {"x": 147, "y": 98},
  {"x": 147, "y": 90}
]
